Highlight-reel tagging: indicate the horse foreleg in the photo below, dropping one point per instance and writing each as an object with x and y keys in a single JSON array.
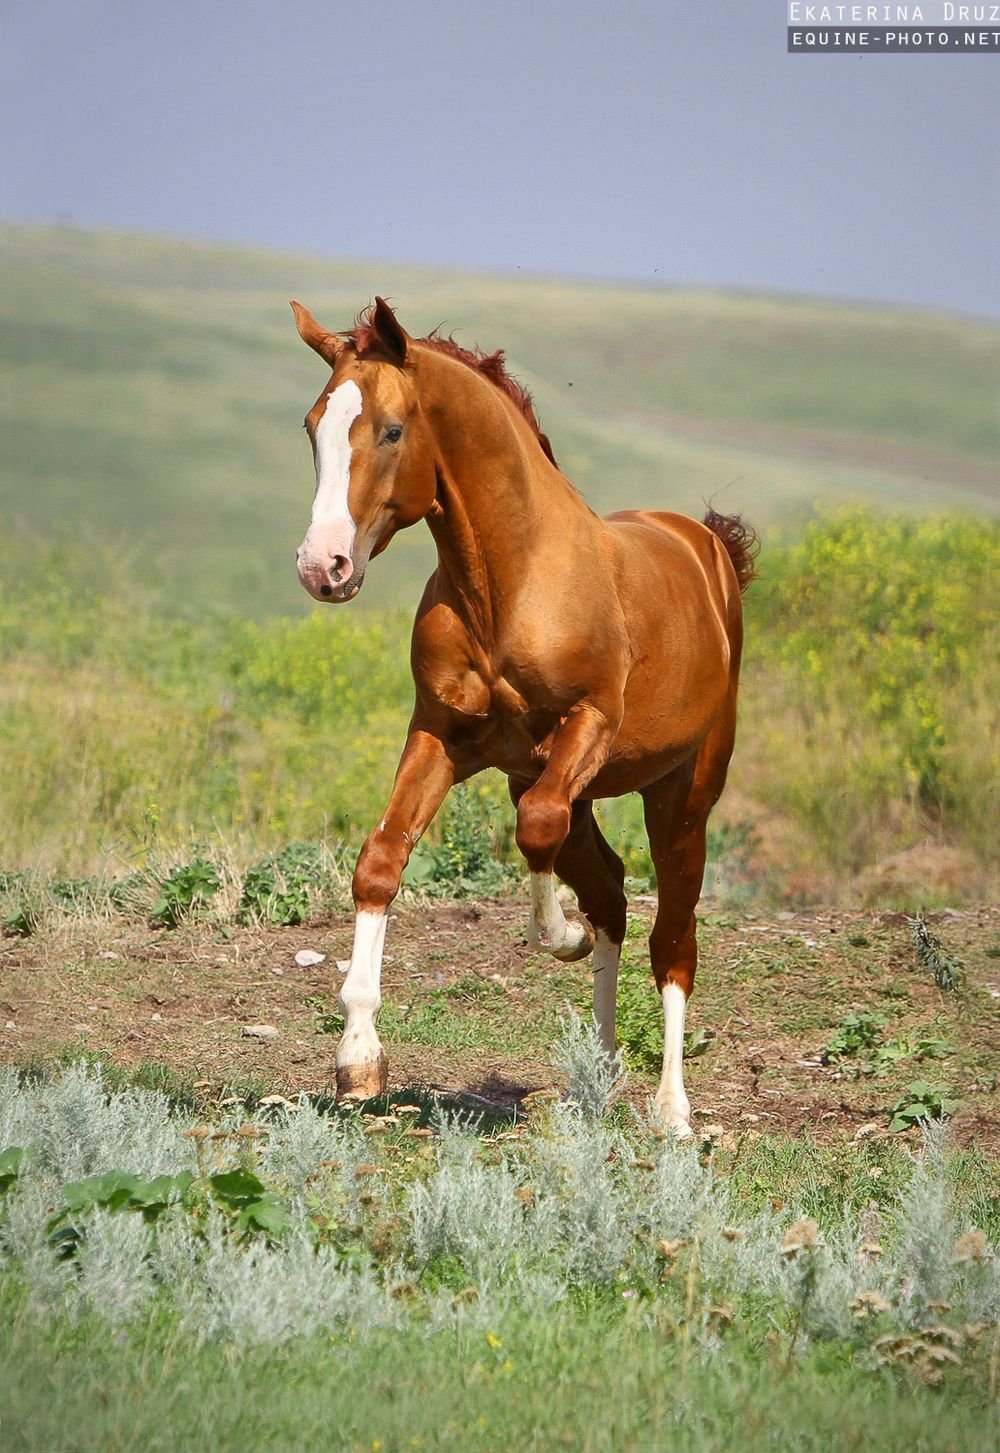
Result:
[
  {"x": 544, "y": 819},
  {"x": 423, "y": 777}
]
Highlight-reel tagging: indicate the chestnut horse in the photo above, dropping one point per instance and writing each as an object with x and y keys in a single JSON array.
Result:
[{"x": 585, "y": 657}]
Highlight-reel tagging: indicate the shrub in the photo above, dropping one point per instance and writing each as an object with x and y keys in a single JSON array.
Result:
[{"x": 184, "y": 890}]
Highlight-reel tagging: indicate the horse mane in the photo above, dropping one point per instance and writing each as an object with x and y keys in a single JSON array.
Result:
[{"x": 492, "y": 366}]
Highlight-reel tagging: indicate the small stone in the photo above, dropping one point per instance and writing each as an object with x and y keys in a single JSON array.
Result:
[
  {"x": 306, "y": 958},
  {"x": 259, "y": 1031},
  {"x": 10, "y": 1024},
  {"x": 156, "y": 1019},
  {"x": 343, "y": 965},
  {"x": 278, "y": 973}
]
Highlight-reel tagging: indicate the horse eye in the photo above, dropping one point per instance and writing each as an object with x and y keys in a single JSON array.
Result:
[{"x": 393, "y": 434}]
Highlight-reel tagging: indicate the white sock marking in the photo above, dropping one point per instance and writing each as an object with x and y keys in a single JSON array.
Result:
[
  {"x": 361, "y": 994},
  {"x": 548, "y": 926},
  {"x": 671, "y": 1097},
  {"x": 605, "y": 962}
]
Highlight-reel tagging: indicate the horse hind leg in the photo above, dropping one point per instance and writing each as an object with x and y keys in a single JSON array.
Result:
[
  {"x": 596, "y": 874},
  {"x": 676, "y": 811}
]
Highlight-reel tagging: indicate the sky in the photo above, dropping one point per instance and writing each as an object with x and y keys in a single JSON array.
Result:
[{"x": 660, "y": 143}]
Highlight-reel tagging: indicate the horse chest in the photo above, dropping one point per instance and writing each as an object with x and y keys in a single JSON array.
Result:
[{"x": 495, "y": 721}]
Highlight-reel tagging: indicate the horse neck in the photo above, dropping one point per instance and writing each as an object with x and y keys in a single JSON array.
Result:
[{"x": 499, "y": 497}]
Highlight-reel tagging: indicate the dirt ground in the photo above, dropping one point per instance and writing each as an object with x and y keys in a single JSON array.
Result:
[{"x": 470, "y": 1012}]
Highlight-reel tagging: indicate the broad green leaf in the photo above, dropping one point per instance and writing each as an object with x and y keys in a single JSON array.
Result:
[
  {"x": 236, "y": 1187},
  {"x": 10, "y": 1166}
]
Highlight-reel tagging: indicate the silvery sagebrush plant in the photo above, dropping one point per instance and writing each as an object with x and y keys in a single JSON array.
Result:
[
  {"x": 299, "y": 1140},
  {"x": 923, "y": 1257},
  {"x": 465, "y": 1209},
  {"x": 577, "y": 1203},
  {"x": 595, "y": 1077},
  {"x": 114, "y": 1277},
  {"x": 77, "y": 1128},
  {"x": 256, "y": 1293},
  {"x": 25, "y": 1251},
  {"x": 583, "y": 1190}
]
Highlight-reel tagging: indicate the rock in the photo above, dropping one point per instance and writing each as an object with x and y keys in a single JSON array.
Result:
[
  {"x": 306, "y": 958},
  {"x": 259, "y": 1031}
]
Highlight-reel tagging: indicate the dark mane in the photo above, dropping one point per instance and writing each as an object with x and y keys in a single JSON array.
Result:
[{"x": 492, "y": 366}]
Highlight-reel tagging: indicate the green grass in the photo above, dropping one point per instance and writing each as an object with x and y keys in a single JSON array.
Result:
[
  {"x": 594, "y": 1381},
  {"x": 156, "y": 389}
]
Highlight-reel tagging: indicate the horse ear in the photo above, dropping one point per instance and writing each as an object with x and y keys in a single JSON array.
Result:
[
  {"x": 392, "y": 336},
  {"x": 327, "y": 345}
]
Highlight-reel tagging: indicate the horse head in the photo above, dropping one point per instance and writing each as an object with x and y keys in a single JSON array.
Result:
[{"x": 372, "y": 447}]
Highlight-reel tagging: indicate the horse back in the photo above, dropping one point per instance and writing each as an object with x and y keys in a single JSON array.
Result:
[{"x": 684, "y": 557}]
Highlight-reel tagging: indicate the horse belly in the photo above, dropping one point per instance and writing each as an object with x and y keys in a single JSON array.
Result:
[{"x": 673, "y": 697}]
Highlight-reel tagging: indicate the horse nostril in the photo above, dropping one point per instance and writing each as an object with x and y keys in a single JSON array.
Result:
[
  {"x": 326, "y": 590},
  {"x": 340, "y": 569}
]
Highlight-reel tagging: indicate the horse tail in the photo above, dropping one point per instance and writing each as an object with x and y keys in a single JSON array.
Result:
[{"x": 740, "y": 541}]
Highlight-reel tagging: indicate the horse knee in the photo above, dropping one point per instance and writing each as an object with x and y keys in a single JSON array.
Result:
[
  {"x": 378, "y": 871},
  {"x": 543, "y": 822},
  {"x": 673, "y": 953}
]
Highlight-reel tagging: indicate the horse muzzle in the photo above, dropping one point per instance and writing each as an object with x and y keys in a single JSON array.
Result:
[{"x": 331, "y": 581}]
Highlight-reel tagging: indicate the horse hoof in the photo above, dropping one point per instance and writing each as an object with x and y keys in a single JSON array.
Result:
[
  {"x": 363, "y": 1082},
  {"x": 572, "y": 952}
]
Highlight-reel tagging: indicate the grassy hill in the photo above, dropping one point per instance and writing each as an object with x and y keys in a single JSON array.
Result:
[{"x": 156, "y": 389}]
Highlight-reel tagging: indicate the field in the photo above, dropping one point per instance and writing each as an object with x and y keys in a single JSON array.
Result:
[
  {"x": 198, "y": 1248},
  {"x": 866, "y": 772},
  {"x": 157, "y": 388},
  {"x": 222, "y": 1258}
]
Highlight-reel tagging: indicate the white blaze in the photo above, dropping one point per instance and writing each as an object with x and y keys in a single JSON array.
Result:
[{"x": 330, "y": 511}]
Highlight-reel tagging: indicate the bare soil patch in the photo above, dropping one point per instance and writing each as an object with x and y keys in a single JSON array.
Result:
[{"x": 470, "y": 1012}]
